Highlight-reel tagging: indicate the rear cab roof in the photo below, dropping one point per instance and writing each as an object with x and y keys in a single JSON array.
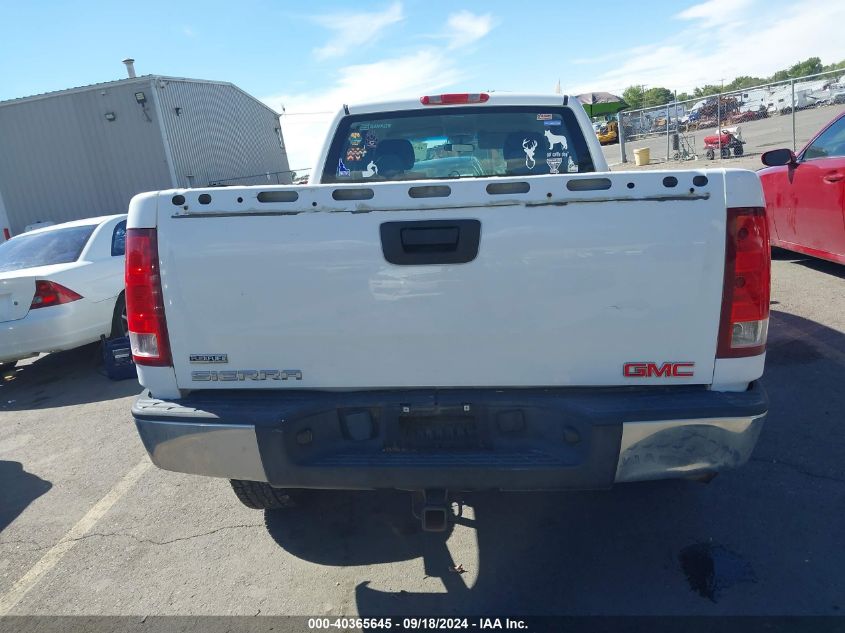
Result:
[{"x": 495, "y": 99}]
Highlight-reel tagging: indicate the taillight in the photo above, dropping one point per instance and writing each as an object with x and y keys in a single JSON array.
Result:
[
  {"x": 144, "y": 300},
  {"x": 745, "y": 296},
  {"x": 455, "y": 98},
  {"x": 49, "y": 293},
  {"x": 6, "y": 234}
]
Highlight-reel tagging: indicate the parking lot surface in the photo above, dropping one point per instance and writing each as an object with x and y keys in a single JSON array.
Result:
[{"x": 88, "y": 526}]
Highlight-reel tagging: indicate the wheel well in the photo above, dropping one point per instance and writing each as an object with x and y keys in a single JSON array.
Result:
[
  {"x": 120, "y": 295},
  {"x": 115, "y": 315}
]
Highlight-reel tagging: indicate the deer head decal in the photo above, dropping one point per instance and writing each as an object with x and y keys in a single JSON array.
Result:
[{"x": 529, "y": 146}]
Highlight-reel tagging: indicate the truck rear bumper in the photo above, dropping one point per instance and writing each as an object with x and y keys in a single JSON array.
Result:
[{"x": 461, "y": 439}]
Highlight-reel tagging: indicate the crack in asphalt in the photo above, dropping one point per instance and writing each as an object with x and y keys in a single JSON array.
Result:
[
  {"x": 174, "y": 540},
  {"x": 798, "y": 468},
  {"x": 37, "y": 547},
  {"x": 136, "y": 538}
]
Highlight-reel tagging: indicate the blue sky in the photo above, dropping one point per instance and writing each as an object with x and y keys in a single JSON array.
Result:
[{"x": 314, "y": 57}]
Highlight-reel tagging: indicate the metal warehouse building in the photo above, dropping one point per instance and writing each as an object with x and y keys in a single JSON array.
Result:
[{"x": 86, "y": 151}]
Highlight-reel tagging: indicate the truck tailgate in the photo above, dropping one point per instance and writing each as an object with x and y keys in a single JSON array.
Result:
[{"x": 569, "y": 280}]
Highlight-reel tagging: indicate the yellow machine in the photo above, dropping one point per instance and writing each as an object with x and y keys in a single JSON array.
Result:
[{"x": 608, "y": 132}]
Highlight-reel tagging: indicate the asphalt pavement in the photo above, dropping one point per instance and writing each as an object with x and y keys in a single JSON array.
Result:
[{"x": 88, "y": 526}]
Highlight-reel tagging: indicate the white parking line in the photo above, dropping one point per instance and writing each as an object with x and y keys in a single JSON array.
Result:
[{"x": 83, "y": 526}]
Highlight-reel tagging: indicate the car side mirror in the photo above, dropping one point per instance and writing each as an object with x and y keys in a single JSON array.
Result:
[{"x": 778, "y": 157}]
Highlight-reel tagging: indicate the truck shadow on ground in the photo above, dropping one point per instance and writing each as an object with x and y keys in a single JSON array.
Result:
[
  {"x": 61, "y": 379},
  {"x": 18, "y": 489},
  {"x": 813, "y": 263},
  {"x": 795, "y": 341},
  {"x": 666, "y": 547},
  {"x": 529, "y": 545}
]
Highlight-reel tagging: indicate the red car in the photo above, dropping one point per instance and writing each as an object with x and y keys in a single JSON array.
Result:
[{"x": 805, "y": 195}]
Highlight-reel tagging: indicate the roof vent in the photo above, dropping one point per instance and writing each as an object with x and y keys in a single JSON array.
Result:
[{"x": 130, "y": 67}]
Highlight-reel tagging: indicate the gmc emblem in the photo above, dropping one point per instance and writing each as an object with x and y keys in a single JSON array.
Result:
[{"x": 653, "y": 370}]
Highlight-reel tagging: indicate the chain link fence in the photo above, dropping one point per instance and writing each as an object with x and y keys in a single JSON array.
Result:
[{"x": 734, "y": 126}]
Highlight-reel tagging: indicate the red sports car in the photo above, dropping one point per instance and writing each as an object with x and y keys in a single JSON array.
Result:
[{"x": 805, "y": 195}]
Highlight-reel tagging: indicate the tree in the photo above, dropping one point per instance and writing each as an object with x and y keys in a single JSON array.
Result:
[
  {"x": 658, "y": 96},
  {"x": 810, "y": 66},
  {"x": 633, "y": 96},
  {"x": 744, "y": 81},
  {"x": 836, "y": 66},
  {"x": 707, "y": 90},
  {"x": 637, "y": 98}
]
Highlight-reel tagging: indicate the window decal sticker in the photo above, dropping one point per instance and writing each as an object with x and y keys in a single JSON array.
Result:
[
  {"x": 544, "y": 117},
  {"x": 354, "y": 154},
  {"x": 373, "y": 126},
  {"x": 555, "y": 139},
  {"x": 554, "y": 164},
  {"x": 372, "y": 170},
  {"x": 529, "y": 146},
  {"x": 341, "y": 169}
]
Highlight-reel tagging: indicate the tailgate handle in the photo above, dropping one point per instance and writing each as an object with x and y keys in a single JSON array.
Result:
[
  {"x": 423, "y": 242},
  {"x": 433, "y": 240}
]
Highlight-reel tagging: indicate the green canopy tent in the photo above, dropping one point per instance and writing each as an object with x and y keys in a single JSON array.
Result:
[{"x": 601, "y": 103}]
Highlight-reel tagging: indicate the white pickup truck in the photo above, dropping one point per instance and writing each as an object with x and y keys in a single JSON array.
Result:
[{"x": 464, "y": 297}]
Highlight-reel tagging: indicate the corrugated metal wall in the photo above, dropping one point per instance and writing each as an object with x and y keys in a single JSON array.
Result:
[
  {"x": 218, "y": 133},
  {"x": 60, "y": 159}
]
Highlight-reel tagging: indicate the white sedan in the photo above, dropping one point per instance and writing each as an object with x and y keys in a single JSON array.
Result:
[{"x": 61, "y": 287}]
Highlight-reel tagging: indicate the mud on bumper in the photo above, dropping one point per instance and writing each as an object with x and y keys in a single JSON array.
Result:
[{"x": 468, "y": 439}]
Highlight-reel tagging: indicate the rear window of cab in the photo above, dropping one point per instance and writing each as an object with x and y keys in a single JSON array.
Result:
[{"x": 457, "y": 142}]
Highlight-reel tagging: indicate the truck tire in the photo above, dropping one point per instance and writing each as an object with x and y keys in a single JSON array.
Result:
[
  {"x": 710, "y": 154},
  {"x": 262, "y": 496},
  {"x": 119, "y": 324}
]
